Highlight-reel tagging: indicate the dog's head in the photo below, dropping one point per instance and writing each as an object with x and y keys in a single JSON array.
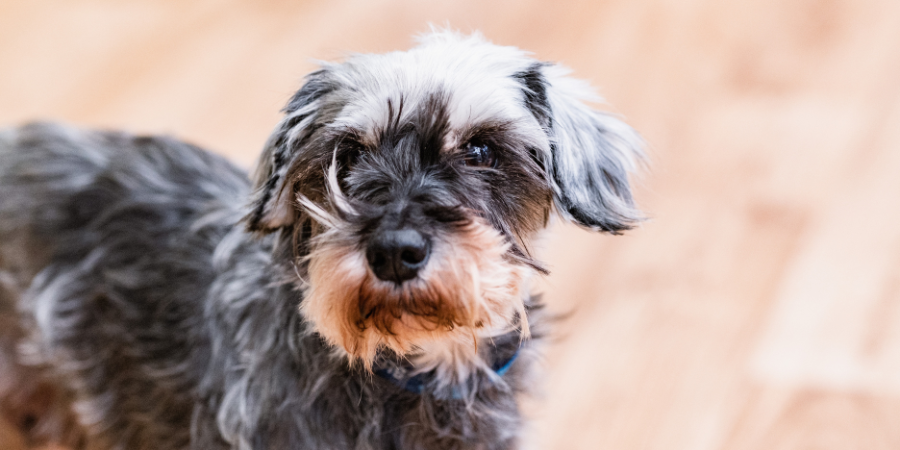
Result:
[{"x": 414, "y": 183}]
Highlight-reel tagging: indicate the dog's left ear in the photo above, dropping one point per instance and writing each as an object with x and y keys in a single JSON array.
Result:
[
  {"x": 593, "y": 153},
  {"x": 272, "y": 203}
]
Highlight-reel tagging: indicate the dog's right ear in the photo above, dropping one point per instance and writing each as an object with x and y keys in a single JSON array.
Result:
[
  {"x": 272, "y": 205},
  {"x": 592, "y": 153}
]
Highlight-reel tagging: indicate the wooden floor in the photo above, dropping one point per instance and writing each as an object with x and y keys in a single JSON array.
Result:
[{"x": 759, "y": 308}]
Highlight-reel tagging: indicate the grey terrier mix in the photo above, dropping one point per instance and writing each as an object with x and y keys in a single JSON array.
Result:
[{"x": 366, "y": 290}]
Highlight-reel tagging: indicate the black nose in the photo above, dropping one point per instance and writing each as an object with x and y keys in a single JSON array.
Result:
[{"x": 397, "y": 255}]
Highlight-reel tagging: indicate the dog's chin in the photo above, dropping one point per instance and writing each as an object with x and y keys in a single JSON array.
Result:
[{"x": 468, "y": 290}]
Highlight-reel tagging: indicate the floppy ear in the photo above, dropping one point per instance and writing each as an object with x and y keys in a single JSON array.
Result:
[
  {"x": 592, "y": 153},
  {"x": 272, "y": 203}
]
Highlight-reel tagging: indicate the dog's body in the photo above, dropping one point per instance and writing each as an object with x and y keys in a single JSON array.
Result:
[{"x": 145, "y": 305}]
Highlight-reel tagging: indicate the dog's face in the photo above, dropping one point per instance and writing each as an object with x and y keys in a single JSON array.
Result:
[{"x": 415, "y": 183}]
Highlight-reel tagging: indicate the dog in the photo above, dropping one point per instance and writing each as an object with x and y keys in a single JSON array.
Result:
[{"x": 366, "y": 288}]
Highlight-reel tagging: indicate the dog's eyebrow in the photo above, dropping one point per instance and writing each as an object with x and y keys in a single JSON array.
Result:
[
  {"x": 488, "y": 128},
  {"x": 499, "y": 134},
  {"x": 343, "y": 132}
]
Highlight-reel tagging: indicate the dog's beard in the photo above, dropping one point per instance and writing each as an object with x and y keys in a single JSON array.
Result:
[{"x": 469, "y": 288}]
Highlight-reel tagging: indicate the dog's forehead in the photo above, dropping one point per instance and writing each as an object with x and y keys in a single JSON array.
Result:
[{"x": 475, "y": 82}]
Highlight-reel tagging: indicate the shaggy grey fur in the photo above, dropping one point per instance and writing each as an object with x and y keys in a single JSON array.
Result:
[
  {"x": 146, "y": 305},
  {"x": 167, "y": 321}
]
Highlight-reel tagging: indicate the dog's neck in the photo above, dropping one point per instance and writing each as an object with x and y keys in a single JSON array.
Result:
[
  {"x": 403, "y": 373},
  {"x": 451, "y": 370}
]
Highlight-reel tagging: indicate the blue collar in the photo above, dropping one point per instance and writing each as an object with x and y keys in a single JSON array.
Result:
[{"x": 398, "y": 371}]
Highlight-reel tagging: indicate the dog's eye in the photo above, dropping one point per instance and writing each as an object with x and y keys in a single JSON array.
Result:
[
  {"x": 480, "y": 155},
  {"x": 351, "y": 151}
]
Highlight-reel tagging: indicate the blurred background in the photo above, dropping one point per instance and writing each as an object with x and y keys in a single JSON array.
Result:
[{"x": 758, "y": 308}]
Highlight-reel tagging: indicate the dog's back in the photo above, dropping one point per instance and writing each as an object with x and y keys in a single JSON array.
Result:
[
  {"x": 58, "y": 182},
  {"x": 105, "y": 252}
]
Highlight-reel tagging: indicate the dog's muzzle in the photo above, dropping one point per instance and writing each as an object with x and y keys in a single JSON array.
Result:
[{"x": 397, "y": 255}]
